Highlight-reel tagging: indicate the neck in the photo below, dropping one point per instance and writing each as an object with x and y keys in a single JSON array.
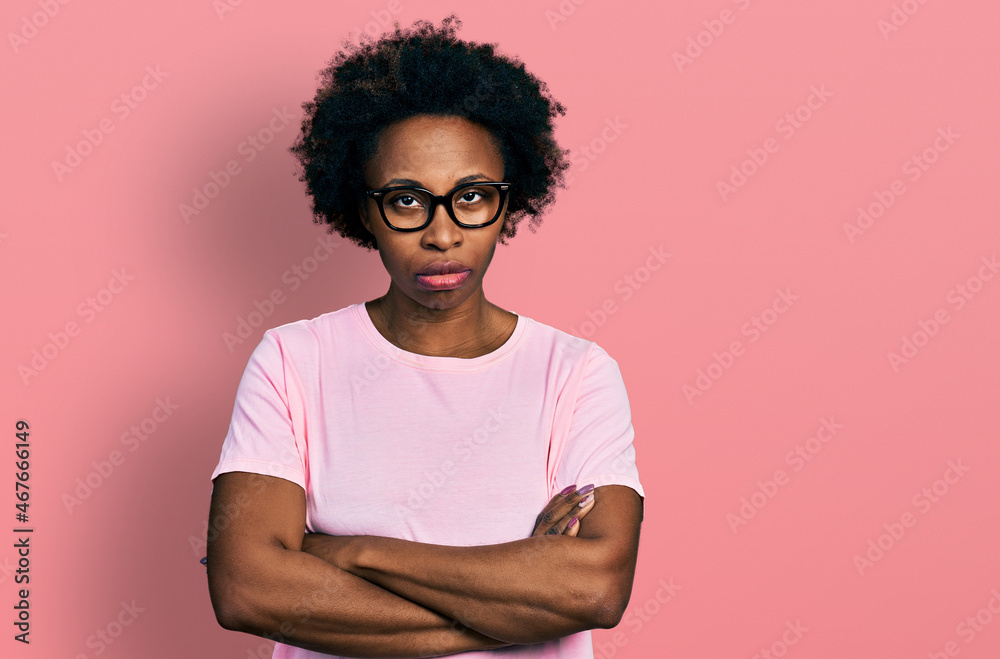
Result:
[{"x": 468, "y": 330}]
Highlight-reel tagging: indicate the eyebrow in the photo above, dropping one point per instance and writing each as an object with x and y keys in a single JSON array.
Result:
[{"x": 409, "y": 181}]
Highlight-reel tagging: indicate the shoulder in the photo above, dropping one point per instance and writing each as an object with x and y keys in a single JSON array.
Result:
[
  {"x": 306, "y": 339},
  {"x": 590, "y": 371},
  {"x": 312, "y": 330},
  {"x": 566, "y": 348}
]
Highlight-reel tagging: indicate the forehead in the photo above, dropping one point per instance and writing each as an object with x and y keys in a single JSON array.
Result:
[{"x": 438, "y": 147}]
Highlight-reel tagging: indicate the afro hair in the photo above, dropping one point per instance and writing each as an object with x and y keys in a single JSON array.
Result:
[{"x": 425, "y": 70}]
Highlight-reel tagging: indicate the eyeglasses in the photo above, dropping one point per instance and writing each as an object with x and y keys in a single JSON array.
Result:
[{"x": 470, "y": 205}]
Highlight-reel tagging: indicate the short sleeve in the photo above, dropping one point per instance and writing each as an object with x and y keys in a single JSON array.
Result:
[
  {"x": 599, "y": 448},
  {"x": 261, "y": 438}
]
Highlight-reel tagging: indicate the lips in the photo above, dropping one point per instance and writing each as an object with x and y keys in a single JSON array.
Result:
[
  {"x": 444, "y": 268},
  {"x": 443, "y": 282}
]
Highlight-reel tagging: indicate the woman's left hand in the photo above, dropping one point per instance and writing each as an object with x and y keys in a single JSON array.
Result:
[{"x": 562, "y": 515}]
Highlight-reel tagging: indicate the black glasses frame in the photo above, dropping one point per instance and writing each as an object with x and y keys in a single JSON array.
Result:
[{"x": 445, "y": 200}]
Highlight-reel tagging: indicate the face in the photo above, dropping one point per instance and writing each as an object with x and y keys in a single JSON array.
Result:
[{"x": 436, "y": 153}]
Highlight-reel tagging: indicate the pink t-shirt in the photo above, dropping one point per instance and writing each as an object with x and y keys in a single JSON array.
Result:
[{"x": 388, "y": 442}]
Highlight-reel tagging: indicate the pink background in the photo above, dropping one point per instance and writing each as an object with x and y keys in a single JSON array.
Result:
[{"x": 737, "y": 588}]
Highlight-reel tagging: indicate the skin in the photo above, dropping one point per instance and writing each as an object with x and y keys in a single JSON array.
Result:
[
  {"x": 371, "y": 596},
  {"x": 436, "y": 153}
]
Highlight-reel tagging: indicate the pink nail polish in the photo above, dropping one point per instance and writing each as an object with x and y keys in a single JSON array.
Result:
[
  {"x": 585, "y": 489},
  {"x": 567, "y": 490},
  {"x": 571, "y": 523},
  {"x": 585, "y": 501}
]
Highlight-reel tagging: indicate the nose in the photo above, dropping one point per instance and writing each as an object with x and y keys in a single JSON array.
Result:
[{"x": 442, "y": 232}]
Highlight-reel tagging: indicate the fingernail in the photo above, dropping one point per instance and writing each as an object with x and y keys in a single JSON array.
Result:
[
  {"x": 571, "y": 523},
  {"x": 585, "y": 501},
  {"x": 585, "y": 489},
  {"x": 204, "y": 561},
  {"x": 567, "y": 490}
]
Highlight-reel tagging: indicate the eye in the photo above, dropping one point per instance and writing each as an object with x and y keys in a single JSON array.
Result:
[
  {"x": 470, "y": 196},
  {"x": 405, "y": 201}
]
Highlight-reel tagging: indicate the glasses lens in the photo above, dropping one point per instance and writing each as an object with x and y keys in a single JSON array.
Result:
[
  {"x": 406, "y": 209},
  {"x": 478, "y": 204}
]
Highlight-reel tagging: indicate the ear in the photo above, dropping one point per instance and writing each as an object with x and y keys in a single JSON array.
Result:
[{"x": 363, "y": 214}]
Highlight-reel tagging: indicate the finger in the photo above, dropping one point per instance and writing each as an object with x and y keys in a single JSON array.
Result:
[
  {"x": 559, "y": 528},
  {"x": 558, "y": 510},
  {"x": 569, "y": 524},
  {"x": 576, "y": 501},
  {"x": 577, "y": 513},
  {"x": 558, "y": 499},
  {"x": 551, "y": 512}
]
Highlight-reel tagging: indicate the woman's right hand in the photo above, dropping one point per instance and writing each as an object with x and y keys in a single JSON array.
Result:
[{"x": 562, "y": 514}]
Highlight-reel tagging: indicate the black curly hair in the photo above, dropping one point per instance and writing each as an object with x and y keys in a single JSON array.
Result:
[{"x": 425, "y": 70}]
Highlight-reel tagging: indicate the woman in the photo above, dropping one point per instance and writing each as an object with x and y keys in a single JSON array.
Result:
[{"x": 386, "y": 462}]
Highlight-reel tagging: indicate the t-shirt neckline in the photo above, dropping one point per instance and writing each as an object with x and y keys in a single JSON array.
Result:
[{"x": 431, "y": 362}]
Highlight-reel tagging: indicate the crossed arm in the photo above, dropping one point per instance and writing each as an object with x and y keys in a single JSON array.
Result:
[{"x": 371, "y": 596}]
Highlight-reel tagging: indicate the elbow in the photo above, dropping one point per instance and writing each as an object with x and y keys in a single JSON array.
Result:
[
  {"x": 608, "y": 614},
  {"x": 232, "y": 606},
  {"x": 610, "y": 602},
  {"x": 230, "y": 612},
  {"x": 229, "y": 618},
  {"x": 601, "y": 598}
]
